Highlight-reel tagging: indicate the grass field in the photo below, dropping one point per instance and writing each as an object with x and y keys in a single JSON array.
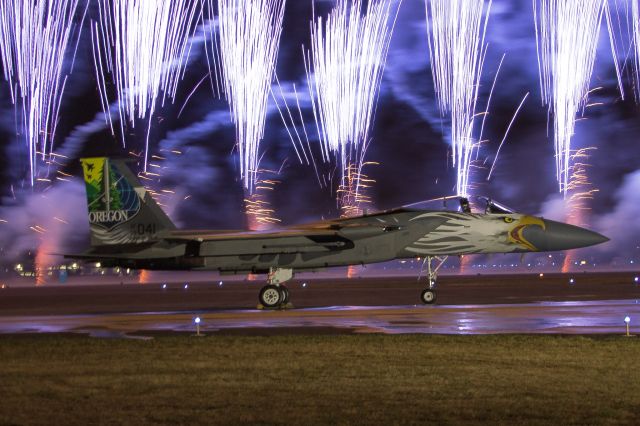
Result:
[{"x": 348, "y": 379}]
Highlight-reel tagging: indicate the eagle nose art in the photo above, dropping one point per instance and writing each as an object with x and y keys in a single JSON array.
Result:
[{"x": 561, "y": 236}]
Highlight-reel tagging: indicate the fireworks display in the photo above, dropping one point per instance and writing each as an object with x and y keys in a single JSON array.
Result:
[
  {"x": 139, "y": 51},
  {"x": 143, "y": 46},
  {"x": 248, "y": 41},
  {"x": 344, "y": 68},
  {"x": 35, "y": 39},
  {"x": 566, "y": 36},
  {"x": 457, "y": 51}
]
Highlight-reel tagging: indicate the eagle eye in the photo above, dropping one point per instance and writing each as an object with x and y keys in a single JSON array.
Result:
[{"x": 508, "y": 219}]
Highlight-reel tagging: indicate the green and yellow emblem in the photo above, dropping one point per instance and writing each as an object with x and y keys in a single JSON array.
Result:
[{"x": 111, "y": 199}]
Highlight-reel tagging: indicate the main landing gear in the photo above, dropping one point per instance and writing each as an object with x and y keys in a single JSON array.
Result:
[
  {"x": 428, "y": 295},
  {"x": 275, "y": 294}
]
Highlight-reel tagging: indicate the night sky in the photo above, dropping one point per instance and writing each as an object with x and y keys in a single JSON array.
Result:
[{"x": 408, "y": 140}]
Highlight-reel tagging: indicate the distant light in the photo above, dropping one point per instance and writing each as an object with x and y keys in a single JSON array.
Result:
[
  {"x": 164, "y": 286},
  {"x": 627, "y": 319},
  {"x": 98, "y": 265},
  {"x": 541, "y": 275},
  {"x": 220, "y": 284},
  {"x": 186, "y": 286},
  {"x": 197, "y": 320},
  {"x": 571, "y": 281},
  {"x": 304, "y": 284},
  {"x": 636, "y": 279}
]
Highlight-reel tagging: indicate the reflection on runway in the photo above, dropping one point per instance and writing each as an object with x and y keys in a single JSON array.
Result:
[{"x": 584, "y": 317}]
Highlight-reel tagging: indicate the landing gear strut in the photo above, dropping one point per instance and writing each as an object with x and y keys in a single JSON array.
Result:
[
  {"x": 275, "y": 294},
  {"x": 428, "y": 295}
]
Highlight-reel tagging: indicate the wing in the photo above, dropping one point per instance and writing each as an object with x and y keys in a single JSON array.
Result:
[{"x": 252, "y": 243}]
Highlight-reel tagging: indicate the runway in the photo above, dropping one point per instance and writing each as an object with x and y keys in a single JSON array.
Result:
[
  {"x": 565, "y": 304},
  {"x": 585, "y": 317}
]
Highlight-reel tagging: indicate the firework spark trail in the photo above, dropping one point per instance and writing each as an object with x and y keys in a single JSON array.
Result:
[
  {"x": 457, "y": 51},
  {"x": 352, "y": 191},
  {"x": 581, "y": 192},
  {"x": 347, "y": 57},
  {"x": 635, "y": 27},
  {"x": 245, "y": 52},
  {"x": 619, "y": 48},
  {"x": 6, "y": 43},
  {"x": 566, "y": 38},
  {"x": 144, "y": 46},
  {"x": 260, "y": 214},
  {"x": 35, "y": 38}
]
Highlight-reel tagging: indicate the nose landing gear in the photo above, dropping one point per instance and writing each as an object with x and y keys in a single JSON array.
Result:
[
  {"x": 428, "y": 295},
  {"x": 275, "y": 294}
]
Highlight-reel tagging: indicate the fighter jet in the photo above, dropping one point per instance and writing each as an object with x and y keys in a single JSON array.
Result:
[{"x": 128, "y": 229}]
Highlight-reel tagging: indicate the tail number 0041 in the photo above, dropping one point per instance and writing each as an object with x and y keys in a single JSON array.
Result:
[{"x": 144, "y": 229}]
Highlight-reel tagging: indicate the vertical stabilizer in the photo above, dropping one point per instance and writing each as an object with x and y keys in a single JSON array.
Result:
[{"x": 121, "y": 211}]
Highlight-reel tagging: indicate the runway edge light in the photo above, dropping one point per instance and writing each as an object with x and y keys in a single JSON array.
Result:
[
  {"x": 627, "y": 320},
  {"x": 197, "y": 321}
]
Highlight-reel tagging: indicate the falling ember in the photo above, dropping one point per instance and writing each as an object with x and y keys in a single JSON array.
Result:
[
  {"x": 260, "y": 214},
  {"x": 44, "y": 260},
  {"x": 344, "y": 68},
  {"x": 352, "y": 193},
  {"x": 144, "y": 46},
  {"x": 247, "y": 48},
  {"x": 457, "y": 51},
  {"x": 580, "y": 191},
  {"x": 566, "y": 38},
  {"x": 353, "y": 198},
  {"x": 42, "y": 263},
  {"x": 35, "y": 38}
]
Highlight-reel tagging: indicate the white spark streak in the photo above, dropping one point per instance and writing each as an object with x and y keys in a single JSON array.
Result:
[
  {"x": 635, "y": 18},
  {"x": 347, "y": 57},
  {"x": 566, "y": 38},
  {"x": 506, "y": 133},
  {"x": 34, "y": 39},
  {"x": 143, "y": 45},
  {"x": 457, "y": 51},
  {"x": 247, "y": 48}
]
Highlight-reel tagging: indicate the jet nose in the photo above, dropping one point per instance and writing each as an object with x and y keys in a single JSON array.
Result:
[{"x": 561, "y": 236}]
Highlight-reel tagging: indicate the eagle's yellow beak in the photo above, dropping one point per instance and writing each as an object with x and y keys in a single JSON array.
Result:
[{"x": 516, "y": 232}]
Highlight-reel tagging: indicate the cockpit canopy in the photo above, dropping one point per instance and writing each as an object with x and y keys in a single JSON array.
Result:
[{"x": 471, "y": 204}]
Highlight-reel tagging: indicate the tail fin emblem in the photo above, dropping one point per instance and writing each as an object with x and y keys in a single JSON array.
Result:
[{"x": 111, "y": 198}]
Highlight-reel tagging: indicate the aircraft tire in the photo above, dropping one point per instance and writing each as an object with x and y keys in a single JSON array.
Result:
[
  {"x": 428, "y": 296},
  {"x": 285, "y": 294},
  {"x": 270, "y": 296}
]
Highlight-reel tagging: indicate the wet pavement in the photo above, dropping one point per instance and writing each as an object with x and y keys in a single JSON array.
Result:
[
  {"x": 575, "y": 317},
  {"x": 479, "y": 304}
]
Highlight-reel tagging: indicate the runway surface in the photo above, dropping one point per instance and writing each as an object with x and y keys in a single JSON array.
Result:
[
  {"x": 546, "y": 317},
  {"x": 591, "y": 303}
]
